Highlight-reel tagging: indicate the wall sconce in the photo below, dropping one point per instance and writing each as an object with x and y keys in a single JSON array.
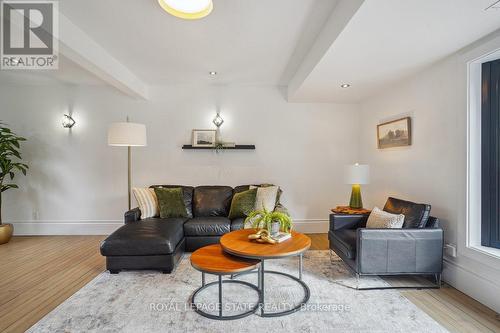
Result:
[
  {"x": 68, "y": 121},
  {"x": 218, "y": 121}
]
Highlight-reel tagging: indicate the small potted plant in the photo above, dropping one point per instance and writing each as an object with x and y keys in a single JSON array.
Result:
[
  {"x": 10, "y": 163},
  {"x": 274, "y": 222}
]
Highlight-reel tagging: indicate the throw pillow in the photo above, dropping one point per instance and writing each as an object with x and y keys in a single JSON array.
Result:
[
  {"x": 380, "y": 219},
  {"x": 171, "y": 202},
  {"x": 147, "y": 201},
  {"x": 242, "y": 204},
  {"x": 266, "y": 197}
]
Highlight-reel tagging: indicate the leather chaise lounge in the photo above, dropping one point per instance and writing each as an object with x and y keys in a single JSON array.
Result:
[{"x": 158, "y": 244}]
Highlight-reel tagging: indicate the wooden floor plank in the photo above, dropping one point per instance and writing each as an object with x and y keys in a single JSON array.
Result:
[{"x": 39, "y": 273}]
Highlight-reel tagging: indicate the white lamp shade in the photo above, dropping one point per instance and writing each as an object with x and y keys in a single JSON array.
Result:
[
  {"x": 357, "y": 174},
  {"x": 127, "y": 134}
]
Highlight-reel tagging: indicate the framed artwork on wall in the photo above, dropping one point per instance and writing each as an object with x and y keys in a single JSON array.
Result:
[
  {"x": 396, "y": 133},
  {"x": 204, "y": 138}
]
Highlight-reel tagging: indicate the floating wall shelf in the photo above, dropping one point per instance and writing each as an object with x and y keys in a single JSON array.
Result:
[{"x": 247, "y": 147}]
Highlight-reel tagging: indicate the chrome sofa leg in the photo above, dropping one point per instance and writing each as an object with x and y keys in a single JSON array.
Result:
[{"x": 439, "y": 281}]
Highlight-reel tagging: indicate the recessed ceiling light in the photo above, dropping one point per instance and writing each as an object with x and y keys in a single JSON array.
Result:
[
  {"x": 345, "y": 85},
  {"x": 189, "y": 10},
  {"x": 212, "y": 73}
]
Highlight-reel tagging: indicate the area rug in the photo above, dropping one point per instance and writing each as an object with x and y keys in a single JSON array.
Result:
[{"x": 154, "y": 302}]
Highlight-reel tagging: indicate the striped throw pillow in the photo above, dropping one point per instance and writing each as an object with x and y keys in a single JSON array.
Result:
[{"x": 147, "y": 201}]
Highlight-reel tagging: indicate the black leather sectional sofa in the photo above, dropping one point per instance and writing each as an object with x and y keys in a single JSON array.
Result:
[{"x": 158, "y": 244}]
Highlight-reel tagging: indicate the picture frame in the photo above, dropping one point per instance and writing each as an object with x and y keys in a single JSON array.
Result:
[
  {"x": 395, "y": 133},
  {"x": 204, "y": 138}
]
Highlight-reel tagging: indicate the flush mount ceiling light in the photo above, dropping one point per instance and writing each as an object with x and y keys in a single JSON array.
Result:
[
  {"x": 187, "y": 9},
  {"x": 345, "y": 85},
  {"x": 212, "y": 73}
]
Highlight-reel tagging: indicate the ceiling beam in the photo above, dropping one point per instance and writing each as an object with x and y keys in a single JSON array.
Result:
[
  {"x": 340, "y": 17},
  {"x": 77, "y": 46}
]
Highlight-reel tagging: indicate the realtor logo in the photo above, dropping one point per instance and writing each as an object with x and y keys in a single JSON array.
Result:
[{"x": 29, "y": 35}]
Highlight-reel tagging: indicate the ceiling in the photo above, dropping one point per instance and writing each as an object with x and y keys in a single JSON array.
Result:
[
  {"x": 311, "y": 46},
  {"x": 388, "y": 40},
  {"x": 245, "y": 41},
  {"x": 68, "y": 73}
]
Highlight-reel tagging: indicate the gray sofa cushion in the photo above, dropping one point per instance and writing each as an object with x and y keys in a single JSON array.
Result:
[
  {"x": 207, "y": 226},
  {"x": 152, "y": 236},
  {"x": 345, "y": 241},
  {"x": 400, "y": 251}
]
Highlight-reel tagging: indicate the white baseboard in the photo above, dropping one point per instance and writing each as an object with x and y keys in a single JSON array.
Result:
[
  {"x": 472, "y": 284},
  {"x": 47, "y": 228},
  {"x": 311, "y": 226}
]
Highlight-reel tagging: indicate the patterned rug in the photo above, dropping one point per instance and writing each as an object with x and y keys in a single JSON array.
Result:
[{"x": 154, "y": 302}]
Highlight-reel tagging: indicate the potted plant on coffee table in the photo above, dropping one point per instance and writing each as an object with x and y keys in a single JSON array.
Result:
[
  {"x": 10, "y": 164},
  {"x": 272, "y": 221}
]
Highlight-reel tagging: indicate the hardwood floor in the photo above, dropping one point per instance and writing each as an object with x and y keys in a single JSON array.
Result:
[{"x": 39, "y": 273}]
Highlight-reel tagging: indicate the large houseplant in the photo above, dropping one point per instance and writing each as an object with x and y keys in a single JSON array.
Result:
[{"x": 10, "y": 164}]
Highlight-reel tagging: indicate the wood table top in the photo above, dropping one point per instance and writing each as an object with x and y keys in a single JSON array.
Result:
[
  {"x": 212, "y": 259},
  {"x": 237, "y": 243},
  {"x": 351, "y": 211}
]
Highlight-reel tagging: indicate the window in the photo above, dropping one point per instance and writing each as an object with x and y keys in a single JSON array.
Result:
[{"x": 490, "y": 154}]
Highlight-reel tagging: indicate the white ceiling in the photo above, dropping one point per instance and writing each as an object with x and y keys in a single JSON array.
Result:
[
  {"x": 315, "y": 45},
  {"x": 387, "y": 40},
  {"x": 68, "y": 73},
  {"x": 245, "y": 41}
]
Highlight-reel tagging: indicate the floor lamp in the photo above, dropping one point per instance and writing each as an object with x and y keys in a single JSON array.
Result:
[{"x": 127, "y": 135}]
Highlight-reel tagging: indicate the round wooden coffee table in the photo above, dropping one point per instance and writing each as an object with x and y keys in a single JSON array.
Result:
[
  {"x": 213, "y": 260},
  {"x": 238, "y": 244}
]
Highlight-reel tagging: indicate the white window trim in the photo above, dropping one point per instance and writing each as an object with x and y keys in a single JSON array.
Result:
[{"x": 473, "y": 247}]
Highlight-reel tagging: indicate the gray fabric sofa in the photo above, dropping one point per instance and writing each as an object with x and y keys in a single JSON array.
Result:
[{"x": 417, "y": 248}]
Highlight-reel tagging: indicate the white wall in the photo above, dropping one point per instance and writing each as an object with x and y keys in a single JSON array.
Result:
[
  {"x": 77, "y": 184},
  {"x": 433, "y": 169}
]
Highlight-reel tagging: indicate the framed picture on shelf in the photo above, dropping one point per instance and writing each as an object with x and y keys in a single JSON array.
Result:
[
  {"x": 204, "y": 138},
  {"x": 396, "y": 133}
]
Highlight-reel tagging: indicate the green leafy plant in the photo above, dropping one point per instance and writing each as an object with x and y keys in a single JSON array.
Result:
[
  {"x": 10, "y": 160},
  {"x": 219, "y": 146},
  {"x": 262, "y": 219}
]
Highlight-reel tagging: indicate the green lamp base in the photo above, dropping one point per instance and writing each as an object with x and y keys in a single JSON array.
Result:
[{"x": 356, "y": 201}]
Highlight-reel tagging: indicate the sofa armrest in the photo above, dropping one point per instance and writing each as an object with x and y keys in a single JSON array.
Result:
[
  {"x": 133, "y": 215},
  {"x": 282, "y": 209},
  {"x": 400, "y": 251},
  {"x": 343, "y": 221}
]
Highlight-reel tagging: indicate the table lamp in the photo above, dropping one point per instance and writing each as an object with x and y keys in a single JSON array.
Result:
[
  {"x": 356, "y": 175},
  {"x": 127, "y": 135}
]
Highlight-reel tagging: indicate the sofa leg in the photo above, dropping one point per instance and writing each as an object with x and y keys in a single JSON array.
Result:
[
  {"x": 438, "y": 280},
  {"x": 114, "y": 271}
]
